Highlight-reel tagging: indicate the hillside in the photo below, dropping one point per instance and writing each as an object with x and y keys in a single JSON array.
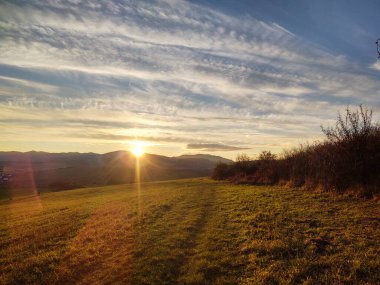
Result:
[
  {"x": 213, "y": 158},
  {"x": 71, "y": 170},
  {"x": 189, "y": 232}
]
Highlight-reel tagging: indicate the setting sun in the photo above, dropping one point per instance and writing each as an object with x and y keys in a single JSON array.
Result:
[{"x": 138, "y": 149}]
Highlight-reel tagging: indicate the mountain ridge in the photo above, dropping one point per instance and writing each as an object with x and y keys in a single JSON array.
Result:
[{"x": 60, "y": 171}]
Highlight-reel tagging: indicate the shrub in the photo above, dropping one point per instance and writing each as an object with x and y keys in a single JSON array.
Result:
[
  {"x": 348, "y": 160},
  {"x": 222, "y": 171}
]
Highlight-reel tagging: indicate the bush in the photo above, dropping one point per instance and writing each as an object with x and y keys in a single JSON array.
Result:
[
  {"x": 348, "y": 160},
  {"x": 222, "y": 171}
]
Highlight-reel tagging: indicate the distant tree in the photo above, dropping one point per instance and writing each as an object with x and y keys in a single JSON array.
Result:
[
  {"x": 266, "y": 155},
  {"x": 244, "y": 164},
  {"x": 242, "y": 158},
  {"x": 222, "y": 171}
]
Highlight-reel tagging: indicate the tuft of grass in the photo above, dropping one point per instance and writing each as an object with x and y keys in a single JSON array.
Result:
[{"x": 193, "y": 231}]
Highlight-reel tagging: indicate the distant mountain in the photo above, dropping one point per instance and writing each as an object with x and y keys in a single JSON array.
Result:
[
  {"x": 213, "y": 158},
  {"x": 57, "y": 171}
]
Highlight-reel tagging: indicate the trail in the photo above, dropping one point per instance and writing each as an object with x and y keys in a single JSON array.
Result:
[
  {"x": 168, "y": 234},
  {"x": 198, "y": 228}
]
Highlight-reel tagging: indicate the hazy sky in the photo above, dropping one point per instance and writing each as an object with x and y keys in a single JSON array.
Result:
[{"x": 222, "y": 77}]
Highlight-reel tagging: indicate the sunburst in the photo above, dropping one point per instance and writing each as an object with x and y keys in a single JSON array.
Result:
[{"x": 138, "y": 149}]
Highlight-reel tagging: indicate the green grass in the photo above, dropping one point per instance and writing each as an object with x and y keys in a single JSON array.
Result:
[{"x": 189, "y": 232}]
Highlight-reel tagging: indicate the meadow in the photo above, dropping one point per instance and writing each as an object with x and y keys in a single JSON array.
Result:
[{"x": 193, "y": 231}]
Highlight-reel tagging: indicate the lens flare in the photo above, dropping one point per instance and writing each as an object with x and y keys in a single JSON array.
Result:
[{"x": 138, "y": 149}]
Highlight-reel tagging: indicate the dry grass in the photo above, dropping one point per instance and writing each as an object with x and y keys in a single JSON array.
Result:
[{"x": 189, "y": 232}]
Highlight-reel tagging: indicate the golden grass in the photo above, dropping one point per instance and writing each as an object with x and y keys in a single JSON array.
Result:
[{"x": 189, "y": 232}]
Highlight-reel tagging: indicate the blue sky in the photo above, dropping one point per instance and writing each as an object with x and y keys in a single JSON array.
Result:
[{"x": 221, "y": 77}]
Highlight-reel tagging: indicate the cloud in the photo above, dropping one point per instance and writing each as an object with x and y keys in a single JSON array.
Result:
[
  {"x": 168, "y": 71},
  {"x": 376, "y": 65},
  {"x": 214, "y": 147},
  {"x": 118, "y": 137}
]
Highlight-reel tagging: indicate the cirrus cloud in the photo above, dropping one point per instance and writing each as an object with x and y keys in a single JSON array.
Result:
[
  {"x": 214, "y": 147},
  {"x": 168, "y": 71}
]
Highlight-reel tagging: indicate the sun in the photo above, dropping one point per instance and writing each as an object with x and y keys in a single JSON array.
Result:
[{"x": 138, "y": 149}]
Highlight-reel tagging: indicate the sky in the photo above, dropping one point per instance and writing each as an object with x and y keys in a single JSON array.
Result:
[{"x": 222, "y": 77}]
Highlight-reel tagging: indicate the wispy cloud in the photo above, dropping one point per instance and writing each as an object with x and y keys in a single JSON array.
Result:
[
  {"x": 214, "y": 147},
  {"x": 173, "y": 70},
  {"x": 376, "y": 65}
]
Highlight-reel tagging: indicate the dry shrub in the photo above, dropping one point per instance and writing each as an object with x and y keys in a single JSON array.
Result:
[{"x": 347, "y": 161}]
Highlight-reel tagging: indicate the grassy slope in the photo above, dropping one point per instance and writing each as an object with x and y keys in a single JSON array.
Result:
[{"x": 189, "y": 232}]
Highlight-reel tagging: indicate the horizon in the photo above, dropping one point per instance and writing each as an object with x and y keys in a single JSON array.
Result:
[
  {"x": 120, "y": 150},
  {"x": 183, "y": 77}
]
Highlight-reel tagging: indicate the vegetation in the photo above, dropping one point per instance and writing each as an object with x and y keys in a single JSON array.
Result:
[
  {"x": 189, "y": 232},
  {"x": 347, "y": 161}
]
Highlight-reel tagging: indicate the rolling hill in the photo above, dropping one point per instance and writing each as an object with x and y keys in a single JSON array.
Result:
[{"x": 59, "y": 171}]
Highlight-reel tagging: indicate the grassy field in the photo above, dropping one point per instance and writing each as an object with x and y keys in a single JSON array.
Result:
[{"x": 189, "y": 232}]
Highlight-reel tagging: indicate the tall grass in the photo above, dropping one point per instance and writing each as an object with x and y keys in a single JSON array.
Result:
[{"x": 347, "y": 160}]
